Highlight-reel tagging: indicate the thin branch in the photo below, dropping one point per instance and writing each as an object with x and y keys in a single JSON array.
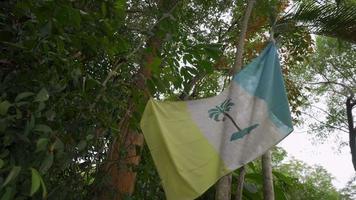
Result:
[
  {"x": 135, "y": 11},
  {"x": 328, "y": 125},
  {"x": 351, "y": 93},
  {"x": 330, "y": 115},
  {"x": 192, "y": 85},
  {"x": 342, "y": 73},
  {"x": 138, "y": 30},
  {"x": 227, "y": 31}
]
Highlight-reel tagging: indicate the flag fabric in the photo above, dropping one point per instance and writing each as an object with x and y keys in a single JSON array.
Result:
[{"x": 194, "y": 143}]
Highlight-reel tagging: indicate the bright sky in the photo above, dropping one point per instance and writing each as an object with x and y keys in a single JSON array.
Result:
[{"x": 300, "y": 146}]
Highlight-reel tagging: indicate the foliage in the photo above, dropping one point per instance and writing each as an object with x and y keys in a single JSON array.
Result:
[
  {"x": 54, "y": 56},
  {"x": 331, "y": 70},
  {"x": 314, "y": 182},
  {"x": 327, "y": 18},
  {"x": 329, "y": 78},
  {"x": 292, "y": 178},
  {"x": 59, "y": 55},
  {"x": 349, "y": 191},
  {"x": 61, "y": 101}
]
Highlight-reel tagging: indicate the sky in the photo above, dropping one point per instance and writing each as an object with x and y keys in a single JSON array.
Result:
[{"x": 299, "y": 144}]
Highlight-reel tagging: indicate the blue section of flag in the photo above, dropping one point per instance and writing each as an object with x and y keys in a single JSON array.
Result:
[{"x": 263, "y": 79}]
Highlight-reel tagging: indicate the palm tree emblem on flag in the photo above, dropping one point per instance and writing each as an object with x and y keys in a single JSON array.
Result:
[{"x": 223, "y": 109}]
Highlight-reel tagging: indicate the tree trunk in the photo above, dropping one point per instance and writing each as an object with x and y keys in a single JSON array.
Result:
[
  {"x": 120, "y": 169},
  {"x": 223, "y": 190},
  {"x": 350, "y": 103},
  {"x": 242, "y": 36},
  {"x": 240, "y": 183},
  {"x": 268, "y": 191}
]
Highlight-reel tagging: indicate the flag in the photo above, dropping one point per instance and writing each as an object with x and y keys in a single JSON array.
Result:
[{"x": 194, "y": 143}]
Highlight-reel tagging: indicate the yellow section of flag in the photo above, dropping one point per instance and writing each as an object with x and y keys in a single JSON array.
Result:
[{"x": 181, "y": 155}]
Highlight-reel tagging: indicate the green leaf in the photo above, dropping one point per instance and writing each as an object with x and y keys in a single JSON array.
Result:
[
  {"x": 3, "y": 124},
  {"x": 254, "y": 177},
  {"x": 43, "y": 128},
  {"x": 89, "y": 137},
  {"x": 11, "y": 44},
  {"x": 9, "y": 193},
  {"x": 4, "y": 107},
  {"x": 44, "y": 189},
  {"x": 41, "y": 144},
  {"x": 103, "y": 9},
  {"x": 41, "y": 106},
  {"x": 58, "y": 145},
  {"x": 213, "y": 51},
  {"x": 75, "y": 16},
  {"x": 35, "y": 181},
  {"x": 46, "y": 29},
  {"x": 1, "y": 163},
  {"x": 12, "y": 175},
  {"x": 50, "y": 115},
  {"x": 91, "y": 83},
  {"x": 155, "y": 65},
  {"x": 23, "y": 95},
  {"x": 47, "y": 163},
  {"x": 29, "y": 125},
  {"x": 42, "y": 95},
  {"x": 250, "y": 187},
  {"x": 82, "y": 144},
  {"x": 206, "y": 66},
  {"x": 120, "y": 6},
  {"x": 68, "y": 16},
  {"x": 18, "y": 113}
]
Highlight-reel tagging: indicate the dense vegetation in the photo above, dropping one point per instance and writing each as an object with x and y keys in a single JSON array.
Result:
[{"x": 75, "y": 77}]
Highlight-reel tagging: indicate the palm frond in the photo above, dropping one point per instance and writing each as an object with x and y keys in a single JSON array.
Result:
[
  {"x": 226, "y": 105},
  {"x": 328, "y": 18},
  {"x": 214, "y": 114}
]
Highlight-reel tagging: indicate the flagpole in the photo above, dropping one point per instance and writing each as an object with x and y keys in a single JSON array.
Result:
[{"x": 223, "y": 189}]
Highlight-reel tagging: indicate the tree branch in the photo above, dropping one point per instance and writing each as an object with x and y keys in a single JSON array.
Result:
[
  {"x": 342, "y": 73},
  {"x": 328, "y": 125},
  {"x": 342, "y": 118},
  {"x": 132, "y": 53},
  {"x": 334, "y": 83}
]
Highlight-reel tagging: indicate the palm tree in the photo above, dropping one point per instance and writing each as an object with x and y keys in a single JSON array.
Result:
[
  {"x": 333, "y": 19},
  {"x": 223, "y": 108}
]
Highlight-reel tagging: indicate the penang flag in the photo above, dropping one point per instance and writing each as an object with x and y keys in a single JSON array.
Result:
[{"x": 194, "y": 143}]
